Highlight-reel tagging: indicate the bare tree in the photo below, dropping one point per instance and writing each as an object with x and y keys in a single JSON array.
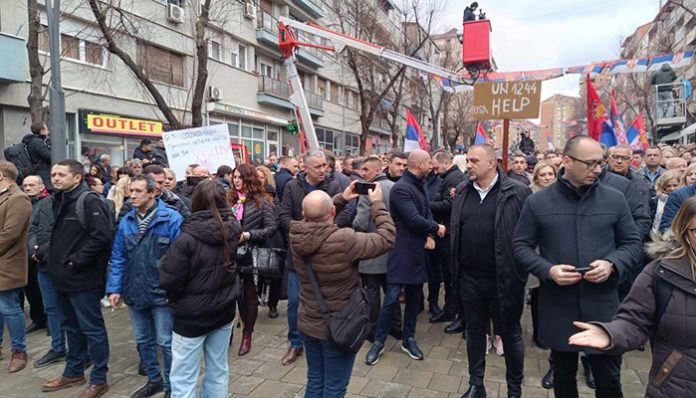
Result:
[{"x": 458, "y": 118}]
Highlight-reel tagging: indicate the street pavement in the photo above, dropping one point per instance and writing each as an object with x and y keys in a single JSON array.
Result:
[{"x": 443, "y": 372}]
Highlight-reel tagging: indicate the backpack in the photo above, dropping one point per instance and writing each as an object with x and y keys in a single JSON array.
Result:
[
  {"x": 19, "y": 156},
  {"x": 82, "y": 217}
]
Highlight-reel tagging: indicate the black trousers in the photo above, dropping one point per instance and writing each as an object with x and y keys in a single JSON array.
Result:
[
  {"x": 480, "y": 298},
  {"x": 439, "y": 272},
  {"x": 32, "y": 292},
  {"x": 372, "y": 284},
  {"x": 605, "y": 368}
]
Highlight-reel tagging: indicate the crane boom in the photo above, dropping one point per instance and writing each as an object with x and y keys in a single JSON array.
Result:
[{"x": 289, "y": 44}]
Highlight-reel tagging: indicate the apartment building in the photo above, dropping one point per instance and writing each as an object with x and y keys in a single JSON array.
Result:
[
  {"x": 109, "y": 111},
  {"x": 559, "y": 120}
]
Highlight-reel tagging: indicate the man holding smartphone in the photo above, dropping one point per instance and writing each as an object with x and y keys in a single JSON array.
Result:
[{"x": 578, "y": 222}]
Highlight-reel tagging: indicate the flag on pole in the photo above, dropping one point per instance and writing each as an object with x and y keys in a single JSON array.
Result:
[
  {"x": 636, "y": 135},
  {"x": 415, "y": 139},
  {"x": 481, "y": 136},
  {"x": 616, "y": 122},
  {"x": 598, "y": 123}
]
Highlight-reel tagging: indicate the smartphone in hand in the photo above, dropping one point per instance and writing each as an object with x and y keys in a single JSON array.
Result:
[{"x": 362, "y": 188}]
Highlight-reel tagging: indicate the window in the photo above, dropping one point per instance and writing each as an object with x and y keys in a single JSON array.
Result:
[
  {"x": 322, "y": 89},
  {"x": 70, "y": 46},
  {"x": 352, "y": 144},
  {"x": 161, "y": 65},
  {"x": 235, "y": 57},
  {"x": 214, "y": 50},
  {"x": 242, "y": 57},
  {"x": 266, "y": 70},
  {"x": 325, "y": 138}
]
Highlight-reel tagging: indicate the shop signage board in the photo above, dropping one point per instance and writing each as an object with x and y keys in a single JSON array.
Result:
[
  {"x": 105, "y": 123},
  {"x": 208, "y": 146}
]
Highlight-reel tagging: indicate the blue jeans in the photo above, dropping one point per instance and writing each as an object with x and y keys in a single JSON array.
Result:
[
  {"x": 293, "y": 301},
  {"x": 186, "y": 364},
  {"x": 48, "y": 295},
  {"x": 328, "y": 370},
  {"x": 82, "y": 320},
  {"x": 152, "y": 327},
  {"x": 13, "y": 315},
  {"x": 391, "y": 300}
]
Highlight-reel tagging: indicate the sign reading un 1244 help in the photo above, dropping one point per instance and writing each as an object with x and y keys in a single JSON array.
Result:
[{"x": 507, "y": 100}]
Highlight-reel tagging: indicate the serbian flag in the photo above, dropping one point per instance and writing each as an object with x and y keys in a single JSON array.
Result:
[
  {"x": 636, "y": 135},
  {"x": 481, "y": 137},
  {"x": 598, "y": 123},
  {"x": 616, "y": 122},
  {"x": 414, "y": 135}
]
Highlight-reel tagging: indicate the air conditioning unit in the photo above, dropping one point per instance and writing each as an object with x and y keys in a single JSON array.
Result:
[
  {"x": 175, "y": 13},
  {"x": 249, "y": 10},
  {"x": 214, "y": 93}
]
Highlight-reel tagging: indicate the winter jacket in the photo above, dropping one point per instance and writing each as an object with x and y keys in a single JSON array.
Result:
[
  {"x": 674, "y": 202},
  {"x": 526, "y": 145},
  {"x": 138, "y": 153},
  {"x": 159, "y": 156},
  {"x": 282, "y": 177},
  {"x": 409, "y": 207},
  {"x": 40, "y": 230},
  {"x": 511, "y": 279},
  {"x": 15, "y": 215},
  {"x": 333, "y": 253},
  {"x": 673, "y": 340},
  {"x": 665, "y": 75},
  {"x": 441, "y": 203},
  {"x": 168, "y": 197},
  {"x": 78, "y": 257},
  {"x": 638, "y": 200},
  {"x": 201, "y": 290},
  {"x": 261, "y": 223},
  {"x": 40, "y": 155},
  {"x": 135, "y": 257},
  {"x": 291, "y": 204},
  {"x": 342, "y": 179},
  {"x": 521, "y": 178},
  {"x": 560, "y": 225},
  {"x": 363, "y": 222}
]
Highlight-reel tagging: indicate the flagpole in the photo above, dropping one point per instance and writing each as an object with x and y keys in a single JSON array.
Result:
[{"x": 506, "y": 143}]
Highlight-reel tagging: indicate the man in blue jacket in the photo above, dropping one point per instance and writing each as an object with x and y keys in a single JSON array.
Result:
[
  {"x": 407, "y": 264},
  {"x": 143, "y": 237}
]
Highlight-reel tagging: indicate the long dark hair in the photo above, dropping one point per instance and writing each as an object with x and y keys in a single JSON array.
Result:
[
  {"x": 210, "y": 195},
  {"x": 252, "y": 185}
]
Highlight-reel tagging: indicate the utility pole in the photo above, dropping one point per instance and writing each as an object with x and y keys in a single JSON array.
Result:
[{"x": 56, "y": 96}]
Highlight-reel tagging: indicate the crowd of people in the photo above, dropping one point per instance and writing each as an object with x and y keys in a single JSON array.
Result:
[{"x": 564, "y": 230}]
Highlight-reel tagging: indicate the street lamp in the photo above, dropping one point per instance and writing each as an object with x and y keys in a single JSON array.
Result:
[{"x": 56, "y": 96}]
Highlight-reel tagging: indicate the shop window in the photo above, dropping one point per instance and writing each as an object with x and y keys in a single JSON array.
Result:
[
  {"x": 325, "y": 138},
  {"x": 161, "y": 65}
]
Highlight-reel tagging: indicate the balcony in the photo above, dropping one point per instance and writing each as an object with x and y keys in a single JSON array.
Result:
[
  {"x": 13, "y": 62},
  {"x": 267, "y": 33},
  {"x": 276, "y": 93},
  {"x": 310, "y": 8}
]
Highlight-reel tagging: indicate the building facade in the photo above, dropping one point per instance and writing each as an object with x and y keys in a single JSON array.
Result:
[{"x": 559, "y": 120}]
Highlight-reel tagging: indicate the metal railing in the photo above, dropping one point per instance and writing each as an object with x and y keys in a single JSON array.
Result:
[
  {"x": 277, "y": 88},
  {"x": 265, "y": 21},
  {"x": 670, "y": 106}
]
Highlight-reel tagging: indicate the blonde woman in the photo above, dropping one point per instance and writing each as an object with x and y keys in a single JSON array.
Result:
[
  {"x": 544, "y": 175},
  {"x": 266, "y": 176},
  {"x": 667, "y": 183},
  {"x": 689, "y": 176},
  {"x": 119, "y": 193}
]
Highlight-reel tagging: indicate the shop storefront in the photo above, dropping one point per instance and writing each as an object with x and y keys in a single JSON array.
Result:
[
  {"x": 259, "y": 132},
  {"x": 115, "y": 135}
]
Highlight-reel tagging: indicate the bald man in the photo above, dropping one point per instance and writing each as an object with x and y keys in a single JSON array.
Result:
[
  {"x": 331, "y": 253},
  {"x": 406, "y": 266},
  {"x": 484, "y": 216}
]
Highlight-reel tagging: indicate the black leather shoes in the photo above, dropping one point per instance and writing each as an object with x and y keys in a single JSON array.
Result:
[
  {"x": 589, "y": 377},
  {"x": 49, "y": 358},
  {"x": 411, "y": 348},
  {"x": 375, "y": 352},
  {"x": 148, "y": 390},
  {"x": 547, "y": 380},
  {"x": 35, "y": 327},
  {"x": 434, "y": 309},
  {"x": 441, "y": 317},
  {"x": 455, "y": 327},
  {"x": 273, "y": 312},
  {"x": 475, "y": 392}
]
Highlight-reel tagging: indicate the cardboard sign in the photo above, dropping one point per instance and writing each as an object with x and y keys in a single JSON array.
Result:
[
  {"x": 507, "y": 100},
  {"x": 208, "y": 146}
]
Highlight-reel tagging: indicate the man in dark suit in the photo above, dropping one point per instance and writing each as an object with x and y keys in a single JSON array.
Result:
[{"x": 406, "y": 266}]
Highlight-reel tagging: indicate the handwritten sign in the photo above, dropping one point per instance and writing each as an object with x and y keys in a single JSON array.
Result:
[
  {"x": 208, "y": 146},
  {"x": 507, "y": 100}
]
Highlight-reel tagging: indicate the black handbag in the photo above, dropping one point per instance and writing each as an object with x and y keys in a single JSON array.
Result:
[
  {"x": 244, "y": 259},
  {"x": 349, "y": 327},
  {"x": 268, "y": 261}
]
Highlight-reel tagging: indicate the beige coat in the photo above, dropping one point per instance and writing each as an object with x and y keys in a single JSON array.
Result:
[{"x": 15, "y": 216}]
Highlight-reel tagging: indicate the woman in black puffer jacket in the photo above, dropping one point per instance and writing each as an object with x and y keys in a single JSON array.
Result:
[
  {"x": 199, "y": 275},
  {"x": 253, "y": 207}
]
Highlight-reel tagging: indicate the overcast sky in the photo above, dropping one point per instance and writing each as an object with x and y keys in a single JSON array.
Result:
[{"x": 545, "y": 34}]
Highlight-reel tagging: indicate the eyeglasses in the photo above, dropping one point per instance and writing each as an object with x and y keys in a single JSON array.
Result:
[
  {"x": 619, "y": 157},
  {"x": 590, "y": 164}
]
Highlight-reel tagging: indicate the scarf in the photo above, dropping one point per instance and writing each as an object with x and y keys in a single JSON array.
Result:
[{"x": 239, "y": 207}]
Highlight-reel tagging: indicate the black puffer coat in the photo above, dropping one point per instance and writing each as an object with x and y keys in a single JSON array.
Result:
[
  {"x": 673, "y": 339},
  {"x": 200, "y": 289},
  {"x": 40, "y": 155}
]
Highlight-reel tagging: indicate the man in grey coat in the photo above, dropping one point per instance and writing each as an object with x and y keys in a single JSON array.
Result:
[
  {"x": 373, "y": 272},
  {"x": 587, "y": 243}
]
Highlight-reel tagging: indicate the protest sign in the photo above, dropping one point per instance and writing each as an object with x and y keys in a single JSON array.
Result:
[
  {"x": 507, "y": 100},
  {"x": 207, "y": 146}
]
